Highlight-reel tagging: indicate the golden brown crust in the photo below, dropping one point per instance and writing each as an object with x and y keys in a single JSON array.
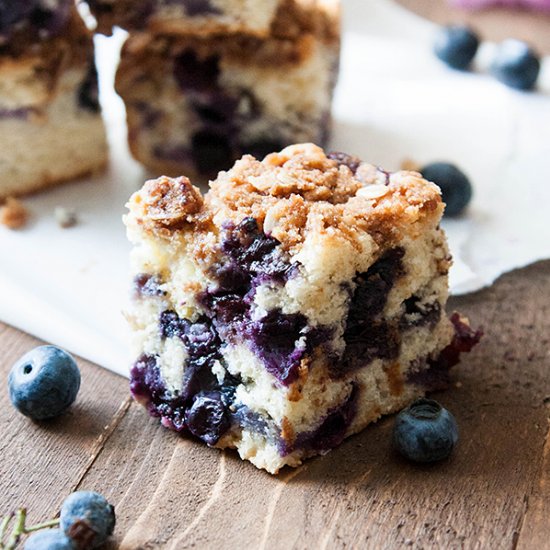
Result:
[
  {"x": 168, "y": 203},
  {"x": 300, "y": 192}
]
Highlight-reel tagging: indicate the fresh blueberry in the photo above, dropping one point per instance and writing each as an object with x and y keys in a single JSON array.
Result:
[
  {"x": 52, "y": 539},
  {"x": 44, "y": 382},
  {"x": 207, "y": 419},
  {"x": 456, "y": 45},
  {"x": 425, "y": 431},
  {"x": 516, "y": 65},
  {"x": 87, "y": 519},
  {"x": 455, "y": 186}
]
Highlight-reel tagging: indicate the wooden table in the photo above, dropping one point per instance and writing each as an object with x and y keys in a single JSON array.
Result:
[{"x": 173, "y": 493}]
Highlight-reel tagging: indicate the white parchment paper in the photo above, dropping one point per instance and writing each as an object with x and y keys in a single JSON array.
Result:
[{"x": 394, "y": 101}]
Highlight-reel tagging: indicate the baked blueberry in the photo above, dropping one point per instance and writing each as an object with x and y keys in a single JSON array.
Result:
[
  {"x": 44, "y": 382},
  {"x": 456, "y": 45},
  {"x": 425, "y": 431},
  {"x": 207, "y": 418},
  {"x": 87, "y": 519},
  {"x": 52, "y": 539},
  {"x": 516, "y": 65},
  {"x": 455, "y": 186}
]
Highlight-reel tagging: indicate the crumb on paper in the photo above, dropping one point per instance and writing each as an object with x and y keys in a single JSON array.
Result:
[
  {"x": 13, "y": 214},
  {"x": 410, "y": 165},
  {"x": 65, "y": 217}
]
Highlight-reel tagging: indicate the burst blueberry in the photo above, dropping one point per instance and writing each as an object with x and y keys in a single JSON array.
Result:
[
  {"x": 44, "y": 382},
  {"x": 516, "y": 65},
  {"x": 207, "y": 419},
  {"x": 456, "y": 45},
  {"x": 52, "y": 539},
  {"x": 87, "y": 519},
  {"x": 455, "y": 186},
  {"x": 425, "y": 432}
]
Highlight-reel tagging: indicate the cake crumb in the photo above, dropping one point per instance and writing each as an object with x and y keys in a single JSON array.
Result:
[
  {"x": 65, "y": 217},
  {"x": 13, "y": 214}
]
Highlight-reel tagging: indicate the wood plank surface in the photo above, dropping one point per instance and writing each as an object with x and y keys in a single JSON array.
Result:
[{"x": 174, "y": 493}]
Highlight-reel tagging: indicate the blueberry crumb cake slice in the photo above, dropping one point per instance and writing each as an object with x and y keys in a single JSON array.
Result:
[
  {"x": 297, "y": 301},
  {"x": 196, "y": 104},
  {"x": 51, "y": 128}
]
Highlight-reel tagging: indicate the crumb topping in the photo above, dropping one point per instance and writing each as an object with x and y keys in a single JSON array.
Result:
[
  {"x": 292, "y": 194},
  {"x": 13, "y": 214},
  {"x": 167, "y": 203}
]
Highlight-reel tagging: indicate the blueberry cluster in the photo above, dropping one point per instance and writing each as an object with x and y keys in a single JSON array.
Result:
[
  {"x": 515, "y": 63},
  {"x": 85, "y": 522}
]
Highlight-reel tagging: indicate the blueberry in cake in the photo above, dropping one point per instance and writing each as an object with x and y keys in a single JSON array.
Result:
[
  {"x": 196, "y": 104},
  {"x": 186, "y": 16},
  {"x": 25, "y": 20},
  {"x": 297, "y": 301},
  {"x": 50, "y": 122}
]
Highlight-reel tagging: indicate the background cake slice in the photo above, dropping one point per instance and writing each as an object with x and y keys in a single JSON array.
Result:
[
  {"x": 204, "y": 17},
  {"x": 51, "y": 128},
  {"x": 195, "y": 105},
  {"x": 297, "y": 301}
]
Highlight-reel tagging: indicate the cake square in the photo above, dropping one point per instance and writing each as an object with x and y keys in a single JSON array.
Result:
[
  {"x": 51, "y": 128},
  {"x": 197, "y": 104},
  {"x": 186, "y": 16},
  {"x": 297, "y": 301}
]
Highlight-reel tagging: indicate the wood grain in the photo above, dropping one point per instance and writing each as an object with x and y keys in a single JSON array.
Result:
[
  {"x": 494, "y": 24},
  {"x": 173, "y": 493},
  {"x": 40, "y": 463}
]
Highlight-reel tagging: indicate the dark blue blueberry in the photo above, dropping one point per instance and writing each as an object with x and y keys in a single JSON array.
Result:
[
  {"x": 344, "y": 159},
  {"x": 148, "y": 285},
  {"x": 367, "y": 336},
  {"x": 263, "y": 147},
  {"x": 51, "y": 539},
  {"x": 194, "y": 74},
  {"x": 200, "y": 7},
  {"x": 516, "y": 65},
  {"x": 88, "y": 92},
  {"x": 211, "y": 152},
  {"x": 456, "y": 45},
  {"x": 44, "y": 382},
  {"x": 87, "y": 519},
  {"x": 217, "y": 111},
  {"x": 207, "y": 418},
  {"x": 425, "y": 432},
  {"x": 419, "y": 314},
  {"x": 12, "y": 13},
  {"x": 455, "y": 186}
]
